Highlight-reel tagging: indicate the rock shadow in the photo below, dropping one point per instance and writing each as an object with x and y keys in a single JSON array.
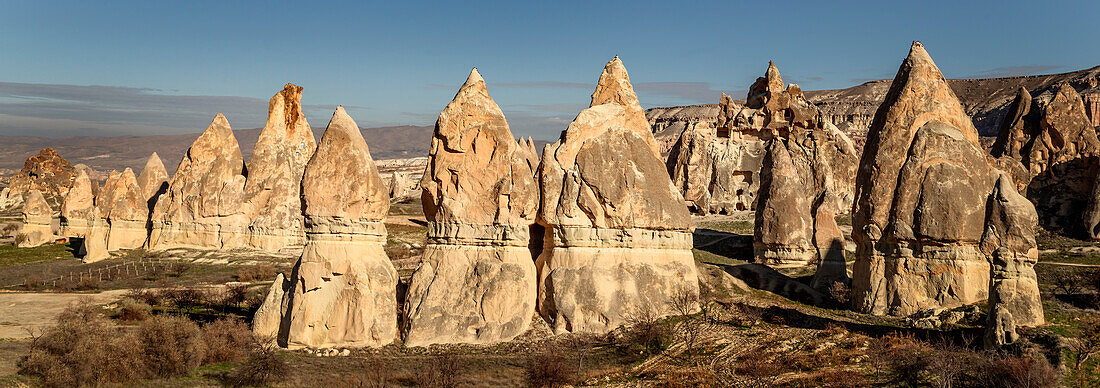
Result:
[{"x": 730, "y": 245}]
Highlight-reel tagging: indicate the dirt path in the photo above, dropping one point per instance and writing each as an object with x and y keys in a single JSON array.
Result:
[
  {"x": 1070, "y": 264},
  {"x": 22, "y": 311}
]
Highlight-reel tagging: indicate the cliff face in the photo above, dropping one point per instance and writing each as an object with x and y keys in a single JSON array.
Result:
[{"x": 985, "y": 100}]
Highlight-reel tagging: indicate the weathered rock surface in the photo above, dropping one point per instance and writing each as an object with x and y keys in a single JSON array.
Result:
[
  {"x": 78, "y": 208},
  {"x": 614, "y": 87},
  {"x": 1009, "y": 240},
  {"x": 121, "y": 217},
  {"x": 273, "y": 188},
  {"x": 923, "y": 200},
  {"x": 47, "y": 172},
  {"x": 718, "y": 169},
  {"x": 401, "y": 187},
  {"x": 36, "y": 218},
  {"x": 342, "y": 292},
  {"x": 153, "y": 180},
  {"x": 618, "y": 236},
  {"x": 476, "y": 282},
  {"x": 203, "y": 206}
]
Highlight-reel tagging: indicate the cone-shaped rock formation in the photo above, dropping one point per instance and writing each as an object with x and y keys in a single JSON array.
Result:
[
  {"x": 36, "y": 217},
  {"x": 342, "y": 292},
  {"x": 121, "y": 216},
  {"x": 614, "y": 87},
  {"x": 153, "y": 180},
  {"x": 476, "y": 282},
  {"x": 272, "y": 190},
  {"x": 78, "y": 208},
  {"x": 618, "y": 235},
  {"x": 203, "y": 206}
]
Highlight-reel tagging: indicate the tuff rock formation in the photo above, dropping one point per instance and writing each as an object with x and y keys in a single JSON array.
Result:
[
  {"x": 272, "y": 190},
  {"x": 36, "y": 217},
  {"x": 153, "y": 180},
  {"x": 805, "y": 175},
  {"x": 203, "y": 206},
  {"x": 78, "y": 208},
  {"x": 476, "y": 282},
  {"x": 614, "y": 87},
  {"x": 925, "y": 200},
  {"x": 1009, "y": 241},
  {"x": 618, "y": 236},
  {"x": 121, "y": 216},
  {"x": 530, "y": 154},
  {"x": 342, "y": 292},
  {"x": 718, "y": 169},
  {"x": 47, "y": 172},
  {"x": 669, "y": 123},
  {"x": 400, "y": 186}
]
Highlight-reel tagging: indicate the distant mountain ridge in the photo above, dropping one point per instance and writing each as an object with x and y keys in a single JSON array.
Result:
[{"x": 116, "y": 153}]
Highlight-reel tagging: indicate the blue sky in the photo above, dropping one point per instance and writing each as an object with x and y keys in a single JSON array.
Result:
[{"x": 131, "y": 68}]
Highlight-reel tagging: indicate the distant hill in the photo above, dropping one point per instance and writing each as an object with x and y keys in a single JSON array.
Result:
[{"x": 116, "y": 153}]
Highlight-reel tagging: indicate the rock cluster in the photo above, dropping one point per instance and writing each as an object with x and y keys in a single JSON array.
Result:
[
  {"x": 78, "y": 208},
  {"x": 47, "y": 172},
  {"x": 476, "y": 280},
  {"x": 718, "y": 169},
  {"x": 272, "y": 190},
  {"x": 36, "y": 216},
  {"x": 618, "y": 236},
  {"x": 204, "y": 204},
  {"x": 342, "y": 292},
  {"x": 121, "y": 217},
  {"x": 1050, "y": 140},
  {"x": 932, "y": 209}
]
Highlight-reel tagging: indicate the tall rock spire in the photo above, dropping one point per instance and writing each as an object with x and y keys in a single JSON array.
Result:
[
  {"x": 614, "y": 87},
  {"x": 343, "y": 289},
  {"x": 203, "y": 206},
  {"x": 480, "y": 199},
  {"x": 272, "y": 191}
]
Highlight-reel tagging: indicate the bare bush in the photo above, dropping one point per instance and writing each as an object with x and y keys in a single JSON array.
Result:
[
  {"x": 1087, "y": 343},
  {"x": 840, "y": 293},
  {"x": 252, "y": 273},
  {"x": 1067, "y": 282},
  {"x": 264, "y": 367},
  {"x": 442, "y": 371},
  {"x": 236, "y": 294},
  {"x": 20, "y": 238},
  {"x": 87, "y": 283},
  {"x": 227, "y": 340},
  {"x": 1022, "y": 371},
  {"x": 32, "y": 282},
  {"x": 177, "y": 268},
  {"x": 133, "y": 310},
  {"x": 9, "y": 229},
  {"x": 647, "y": 331},
  {"x": 173, "y": 346},
  {"x": 904, "y": 359},
  {"x": 550, "y": 368},
  {"x": 83, "y": 349}
]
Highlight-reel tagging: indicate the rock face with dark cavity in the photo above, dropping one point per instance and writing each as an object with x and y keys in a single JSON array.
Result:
[
  {"x": 476, "y": 282},
  {"x": 718, "y": 168},
  {"x": 342, "y": 292},
  {"x": 273, "y": 188},
  {"x": 618, "y": 236},
  {"x": 204, "y": 204}
]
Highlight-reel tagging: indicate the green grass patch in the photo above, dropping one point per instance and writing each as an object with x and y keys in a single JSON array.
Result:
[
  {"x": 738, "y": 227},
  {"x": 10, "y": 255},
  {"x": 1070, "y": 257}
]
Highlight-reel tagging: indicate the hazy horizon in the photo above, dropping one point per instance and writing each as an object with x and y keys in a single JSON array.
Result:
[{"x": 101, "y": 70}]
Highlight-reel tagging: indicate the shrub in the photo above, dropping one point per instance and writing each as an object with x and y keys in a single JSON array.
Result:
[
  {"x": 264, "y": 367},
  {"x": 32, "y": 282},
  {"x": 1023, "y": 371},
  {"x": 87, "y": 283},
  {"x": 227, "y": 340},
  {"x": 182, "y": 297},
  {"x": 1067, "y": 282},
  {"x": 442, "y": 371},
  {"x": 252, "y": 273},
  {"x": 172, "y": 346},
  {"x": 647, "y": 331},
  {"x": 840, "y": 293},
  {"x": 9, "y": 229},
  {"x": 177, "y": 268},
  {"x": 550, "y": 368},
  {"x": 904, "y": 359},
  {"x": 133, "y": 310},
  {"x": 236, "y": 294},
  {"x": 83, "y": 350},
  {"x": 20, "y": 238}
]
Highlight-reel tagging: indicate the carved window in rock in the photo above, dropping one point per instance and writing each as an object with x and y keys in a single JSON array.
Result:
[{"x": 723, "y": 132}]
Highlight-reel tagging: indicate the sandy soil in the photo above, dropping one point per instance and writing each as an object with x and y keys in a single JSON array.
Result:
[{"x": 23, "y": 311}]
